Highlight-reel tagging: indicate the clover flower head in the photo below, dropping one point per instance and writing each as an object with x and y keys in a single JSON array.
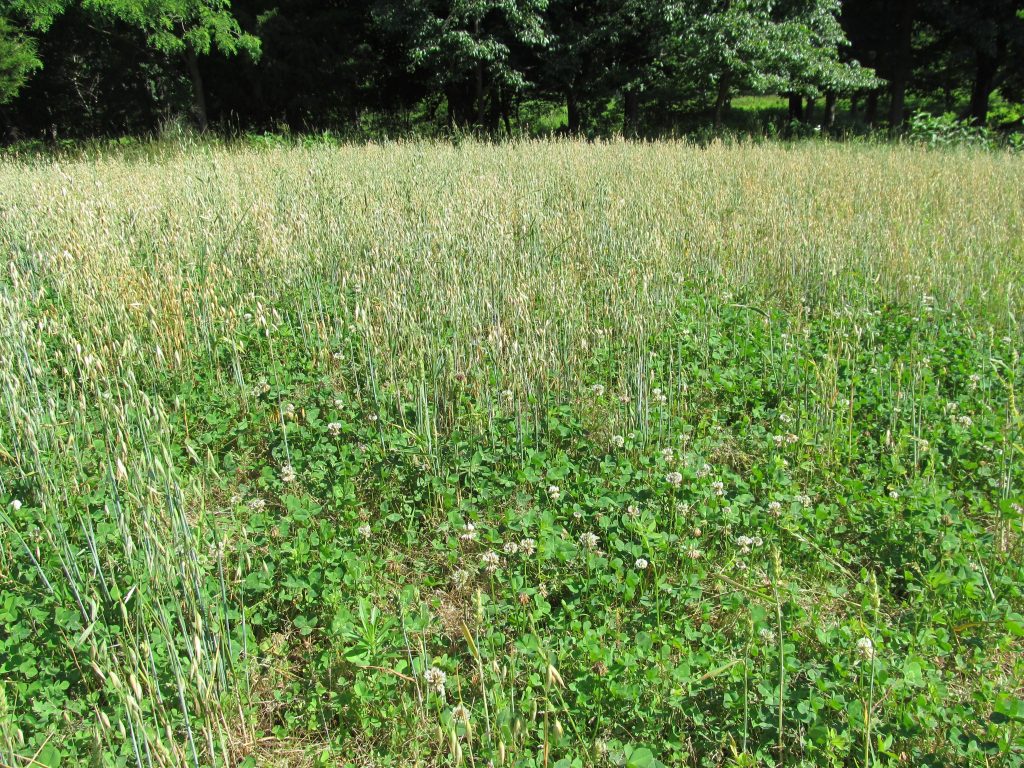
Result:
[
  {"x": 436, "y": 679},
  {"x": 866, "y": 648}
]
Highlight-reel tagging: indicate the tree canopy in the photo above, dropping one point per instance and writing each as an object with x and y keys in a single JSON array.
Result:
[{"x": 642, "y": 67}]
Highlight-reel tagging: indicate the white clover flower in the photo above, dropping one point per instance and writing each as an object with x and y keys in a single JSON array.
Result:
[
  {"x": 618, "y": 441},
  {"x": 373, "y": 418},
  {"x": 510, "y": 548},
  {"x": 364, "y": 530},
  {"x": 491, "y": 561},
  {"x": 338, "y": 356},
  {"x": 15, "y": 504},
  {"x": 339, "y": 403},
  {"x": 334, "y": 428},
  {"x": 975, "y": 380},
  {"x": 460, "y": 579},
  {"x": 257, "y": 505},
  {"x": 774, "y": 508},
  {"x": 744, "y": 543},
  {"x": 288, "y": 473},
  {"x": 461, "y": 714},
  {"x": 866, "y": 648},
  {"x": 507, "y": 395},
  {"x": 641, "y": 564},
  {"x": 694, "y": 554},
  {"x": 778, "y": 440},
  {"x": 718, "y": 487},
  {"x": 287, "y": 410},
  {"x": 894, "y": 494},
  {"x": 436, "y": 678},
  {"x": 965, "y": 421},
  {"x": 469, "y": 532},
  {"x": 597, "y": 390},
  {"x": 667, "y": 455},
  {"x": 767, "y": 635},
  {"x": 757, "y": 541},
  {"x": 791, "y": 438},
  {"x": 589, "y": 540},
  {"x": 554, "y": 492},
  {"x": 528, "y": 547},
  {"x": 704, "y": 471},
  {"x": 805, "y": 500},
  {"x": 633, "y": 512},
  {"x": 674, "y": 479}
]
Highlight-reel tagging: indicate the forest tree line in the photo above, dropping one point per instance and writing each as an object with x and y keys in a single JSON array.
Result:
[{"x": 77, "y": 68}]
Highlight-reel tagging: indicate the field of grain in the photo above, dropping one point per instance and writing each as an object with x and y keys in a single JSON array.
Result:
[{"x": 536, "y": 454}]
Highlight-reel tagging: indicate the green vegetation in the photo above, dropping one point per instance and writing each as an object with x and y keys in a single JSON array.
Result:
[
  {"x": 539, "y": 454},
  {"x": 505, "y": 68}
]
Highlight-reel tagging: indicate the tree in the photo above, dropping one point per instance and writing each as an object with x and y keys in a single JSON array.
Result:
[
  {"x": 189, "y": 28},
  {"x": 468, "y": 49},
  {"x": 990, "y": 30},
  {"x": 794, "y": 47},
  {"x": 570, "y": 67}
]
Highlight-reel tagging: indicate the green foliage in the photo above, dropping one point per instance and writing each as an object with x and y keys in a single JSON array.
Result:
[
  {"x": 246, "y": 521},
  {"x": 772, "y": 47},
  {"x": 947, "y": 130},
  {"x": 173, "y": 25},
  {"x": 170, "y": 26},
  {"x": 17, "y": 61}
]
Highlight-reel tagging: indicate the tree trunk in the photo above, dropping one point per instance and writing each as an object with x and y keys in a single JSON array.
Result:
[
  {"x": 809, "y": 110},
  {"x": 901, "y": 60},
  {"x": 573, "y": 112},
  {"x": 449, "y": 94},
  {"x": 796, "y": 107},
  {"x": 987, "y": 65},
  {"x": 631, "y": 113},
  {"x": 506, "y": 115},
  {"x": 722, "y": 98},
  {"x": 198, "y": 91},
  {"x": 478, "y": 84},
  {"x": 871, "y": 109},
  {"x": 831, "y": 100}
]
